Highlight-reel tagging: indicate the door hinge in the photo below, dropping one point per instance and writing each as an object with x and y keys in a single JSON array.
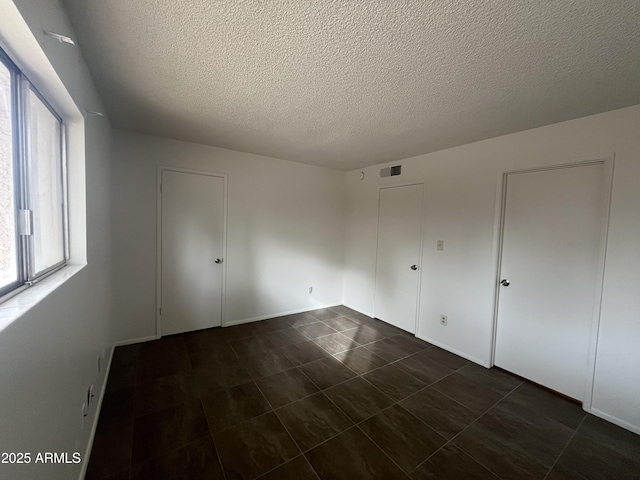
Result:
[
  {"x": 25, "y": 222},
  {"x": 160, "y": 311}
]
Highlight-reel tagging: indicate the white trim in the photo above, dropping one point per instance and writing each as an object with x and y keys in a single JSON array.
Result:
[
  {"x": 375, "y": 270},
  {"x": 496, "y": 260},
  {"x": 158, "y": 251},
  {"x": 454, "y": 351},
  {"x": 420, "y": 257},
  {"x": 358, "y": 310},
  {"x": 615, "y": 420},
  {"x": 225, "y": 230},
  {"x": 225, "y": 207},
  {"x": 235, "y": 322},
  {"x": 96, "y": 418},
  {"x": 281, "y": 314},
  {"x": 131, "y": 341},
  {"x": 609, "y": 164},
  {"x": 607, "y": 160}
]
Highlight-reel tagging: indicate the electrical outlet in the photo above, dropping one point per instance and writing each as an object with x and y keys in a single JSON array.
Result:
[
  {"x": 90, "y": 395},
  {"x": 85, "y": 413},
  {"x": 310, "y": 289},
  {"x": 443, "y": 320}
]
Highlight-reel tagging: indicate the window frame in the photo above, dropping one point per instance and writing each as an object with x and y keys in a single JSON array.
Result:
[
  {"x": 17, "y": 187},
  {"x": 23, "y": 183},
  {"x": 32, "y": 275}
]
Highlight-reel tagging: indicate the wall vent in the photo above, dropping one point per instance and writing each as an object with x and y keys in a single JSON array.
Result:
[{"x": 391, "y": 171}]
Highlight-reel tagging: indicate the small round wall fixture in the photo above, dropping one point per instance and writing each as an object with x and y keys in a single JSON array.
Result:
[{"x": 361, "y": 175}]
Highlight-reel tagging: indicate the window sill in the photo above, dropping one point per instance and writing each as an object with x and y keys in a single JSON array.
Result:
[{"x": 22, "y": 302}]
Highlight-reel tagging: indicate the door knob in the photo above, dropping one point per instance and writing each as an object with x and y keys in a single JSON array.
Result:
[
  {"x": 505, "y": 283},
  {"x": 414, "y": 267},
  {"x": 218, "y": 260}
]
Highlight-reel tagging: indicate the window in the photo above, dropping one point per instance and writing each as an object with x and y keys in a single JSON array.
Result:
[{"x": 33, "y": 236}]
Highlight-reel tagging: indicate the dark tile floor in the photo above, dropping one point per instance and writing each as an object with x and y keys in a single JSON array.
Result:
[{"x": 333, "y": 394}]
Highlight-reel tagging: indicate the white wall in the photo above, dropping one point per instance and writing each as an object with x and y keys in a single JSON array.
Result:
[
  {"x": 460, "y": 206},
  {"x": 285, "y": 230},
  {"x": 48, "y": 356}
]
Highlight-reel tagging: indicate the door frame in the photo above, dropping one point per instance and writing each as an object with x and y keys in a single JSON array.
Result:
[
  {"x": 420, "y": 252},
  {"x": 159, "y": 171},
  {"x": 501, "y": 197}
]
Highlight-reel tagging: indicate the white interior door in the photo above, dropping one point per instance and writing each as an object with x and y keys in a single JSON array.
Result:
[
  {"x": 398, "y": 258},
  {"x": 192, "y": 238},
  {"x": 552, "y": 232}
]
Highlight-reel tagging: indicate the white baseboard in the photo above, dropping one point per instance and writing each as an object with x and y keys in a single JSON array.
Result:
[
  {"x": 368, "y": 314},
  {"x": 274, "y": 315},
  {"x": 96, "y": 417},
  {"x": 131, "y": 341},
  {"x": 615, "y": 420},
  {"x": 594, "y": 411},
  {"x": 233, "y": 322},
  {"x": 457, "y": 352}
]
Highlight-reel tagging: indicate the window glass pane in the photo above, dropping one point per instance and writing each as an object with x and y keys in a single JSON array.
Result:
[
  {"x": 8, "y": 256},
  {"x": 45, "y": 172}
]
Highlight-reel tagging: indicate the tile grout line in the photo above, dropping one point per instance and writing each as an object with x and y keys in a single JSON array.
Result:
[
  {"x": 184, "y": 401},
  {"x": 210, "y": 435},
  {"x": 334, "y": 404},
  {"x": 357, "y": 424},
  {"x": 285, "y": 405},
  {"x": 402, "y": 370},
  {"x": 213, "y": 440},
  {"x": 466, "y": 428},
  {"x": 461, "y": 404},
  {"x": 431, "y": 385},
  {"x": 136, "y": 386},
  {"x": 379, "y": 447},
  {"x": 397, "y": 403},
  {"x": 377, "y": 368},
  {"x": 297, "y": 328},
  {"x": 281, "y": 423},
  {"x": 566, "y": 446},
  {"x": 134, "y": 417},
  {"x": 311, "y": 466},
  {"x": 243, "y": 422},
  {"x": 286, "y": 463},
  {"x": 353, "y": 424},
  {"x": 285, "y": 428},
  {"x": 356, "y": 375},
  {"x": 133, "y": 414},
  {"x": 366, "y": 373},
  {"x": 327, "y": 388},
  {"x": 302, "y": 453},
  {"x": 254, "y": 334},
  {"x": 419, "y": 390}
]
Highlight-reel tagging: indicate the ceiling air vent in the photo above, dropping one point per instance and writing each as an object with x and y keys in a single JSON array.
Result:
[{"x": 391, "y": 171}]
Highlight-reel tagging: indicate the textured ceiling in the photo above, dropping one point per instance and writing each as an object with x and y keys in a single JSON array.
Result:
[{"x": 345, "y": 84}]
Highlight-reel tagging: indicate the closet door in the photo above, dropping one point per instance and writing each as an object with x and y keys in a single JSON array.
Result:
[
  {"x": 398, "y": 257},
  {"x": 552, "y": 231},
  {"x": 192, "y": 241}
]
